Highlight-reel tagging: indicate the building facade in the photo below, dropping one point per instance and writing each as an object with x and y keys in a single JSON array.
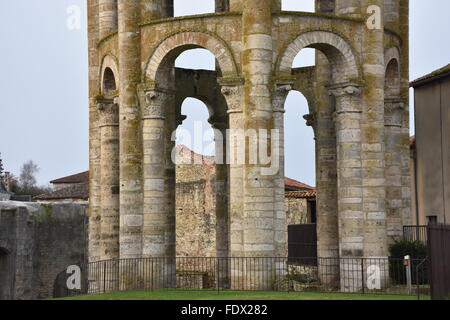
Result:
[
  {"x": 358, "y": 99},
  {"x": 431, "y": 149}
]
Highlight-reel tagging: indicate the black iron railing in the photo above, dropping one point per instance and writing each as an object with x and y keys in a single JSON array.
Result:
[
  {"x": 358, "y": 275},
  {"x": 415, "y": 233}
]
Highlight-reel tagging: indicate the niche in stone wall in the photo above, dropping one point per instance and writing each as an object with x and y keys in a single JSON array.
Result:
[{"x": 109, "y": 81}]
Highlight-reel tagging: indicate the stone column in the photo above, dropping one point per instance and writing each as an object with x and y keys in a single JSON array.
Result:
[
  {"x": 236, "y": 5},
  {"x": 156, "y": 9},
  {"x": 260, "y": 238},
  {"x": 131, "y": 212},
  {"x": 222, "y": 5},
  {"x": 109, "y": 198},
  {"x": 94, "y": 134},
  {"x": 159, "y": 215},
  {"x": 107, "y": 17},
  {"x": 220, "y": 127},
  {"x": 350, "y": 8},
  {"x": 404, "y": 94},
  {"x": 109, "y": 179},
  {"x": 350, "y": 184},
  {"x": 279, "y": 98},
  {"x": 373, "y": 148},
  {"x": 232, "y": 91},
  {"x": 326, "y": 177},
  {"x": 393, "y": 115},
  {"x": 391, "y": 14}
]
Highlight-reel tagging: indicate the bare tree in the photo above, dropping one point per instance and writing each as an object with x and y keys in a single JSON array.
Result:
[
  {"x": 27, "y": 177},
  {"x": 1, "y": 166}
]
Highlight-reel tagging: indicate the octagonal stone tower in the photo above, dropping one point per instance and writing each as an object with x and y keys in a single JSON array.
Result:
[{"x": 358, "y": 100}]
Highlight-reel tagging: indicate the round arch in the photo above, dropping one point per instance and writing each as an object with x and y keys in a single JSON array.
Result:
[
  {"x": 171, "y": 47},
  {"x": 109, "y": 62},
  {"x": 338, "y": 51},
  {"x": 392, "y": 69}
]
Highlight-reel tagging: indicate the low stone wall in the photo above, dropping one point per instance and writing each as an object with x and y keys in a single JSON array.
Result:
[{"x": 38, "y": 242}]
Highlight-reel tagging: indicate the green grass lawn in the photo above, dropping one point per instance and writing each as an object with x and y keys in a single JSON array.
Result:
[{"x": 235, "y": 295}]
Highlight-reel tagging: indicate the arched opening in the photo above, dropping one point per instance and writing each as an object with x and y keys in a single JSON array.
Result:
[
  {"x": 5, "y": 275},
  {"x": 195, "y": 176},
  {"x": 392, "y": 83},
  {"x": 299, "y": 148},
  {"x": 305, "y": 58},
  {"x": 109, "y": 81},
  {"x": 197, "y": 194},
  {"x": 296, "y": 5},
  {"x": 193, "y": 7},
  {"x": 196, "y": 59}
]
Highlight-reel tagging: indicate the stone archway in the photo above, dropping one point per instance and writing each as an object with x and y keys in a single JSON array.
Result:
[
  {"x": 337, "y": 102},
  {"x": 340, "y": 54},
  {"x": 394, "y": 107},
  {"x": 161, "y": 59},
  {"x": 5, "y": 275}
]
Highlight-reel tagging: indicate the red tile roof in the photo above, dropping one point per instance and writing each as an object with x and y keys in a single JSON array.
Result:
[
  {"x": 296, "y": 185},
  {"x": 78, "y": 191},
  {"x": 306, "y": 194},
  {"x": 76, "y": 178}
]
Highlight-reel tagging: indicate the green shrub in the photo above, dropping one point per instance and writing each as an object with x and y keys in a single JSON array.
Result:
[
  {"x": 403, "y": 247},
  {"x": 417, "y": 251}
]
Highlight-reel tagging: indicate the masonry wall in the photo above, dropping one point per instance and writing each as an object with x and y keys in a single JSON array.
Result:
[
  {"x": 41, "y": 241},
  {"x": 196, "y": 210}
]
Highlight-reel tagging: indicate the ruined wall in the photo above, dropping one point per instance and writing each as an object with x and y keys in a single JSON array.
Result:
[
  {"x": 40, "y": 242},
  {"x": 296, "y": 211},
  {"x": 195, "y": 208}
]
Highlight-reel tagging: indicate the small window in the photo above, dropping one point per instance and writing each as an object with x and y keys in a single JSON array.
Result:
[
  {"x": 432, "y": 219},
  {"x": 109, "y": 81}
]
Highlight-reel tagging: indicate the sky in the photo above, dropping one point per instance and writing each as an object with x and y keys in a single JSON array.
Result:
[{"x": 43, "y": 82}]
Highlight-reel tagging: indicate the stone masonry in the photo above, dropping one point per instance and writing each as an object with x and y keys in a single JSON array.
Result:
[{"x": 358, "y": 100}]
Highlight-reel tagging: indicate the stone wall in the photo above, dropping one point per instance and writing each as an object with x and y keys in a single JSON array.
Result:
[
  {"x": 196, "y": 206},
  {"x": 37, "y": 242}
]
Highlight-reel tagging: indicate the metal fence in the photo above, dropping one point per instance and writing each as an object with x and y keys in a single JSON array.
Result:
[
  {"x": 415, "y": 233},
  {"x": 439, "y": 253},
  {"x": 356, "y": 275}
]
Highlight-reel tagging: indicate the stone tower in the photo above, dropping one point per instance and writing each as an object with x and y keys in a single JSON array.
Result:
[{"x": 358, "y": 100}]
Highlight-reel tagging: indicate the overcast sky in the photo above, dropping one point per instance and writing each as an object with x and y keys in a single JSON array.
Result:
[{"x": 43, "y": 83}]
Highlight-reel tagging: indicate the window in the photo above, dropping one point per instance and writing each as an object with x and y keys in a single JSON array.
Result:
[
  {"x": 432, "y": 220},
  {"x": 193, "y": 7}
]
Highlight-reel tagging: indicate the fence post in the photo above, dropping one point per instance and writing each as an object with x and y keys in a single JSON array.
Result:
[
  {"x": 104, "y": 277},
  {"x": 362, "y": 276},
  {"x": 407, "y": 264}
]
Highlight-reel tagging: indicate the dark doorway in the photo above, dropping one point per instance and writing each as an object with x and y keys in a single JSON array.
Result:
[
  {"x": 5, "y": 275},
  {"x": 302, "y": 244}
]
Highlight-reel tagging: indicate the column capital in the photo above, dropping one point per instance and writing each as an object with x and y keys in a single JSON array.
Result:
[
  {"x": 232, "y": 89},
  {"x": 153, "y": 100},
  {"x": 348, "y": 97},
  {"x": 280, "y": 94},
  {"x": 345, "y": 89},
  {"x": 108, "y": 110}
]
